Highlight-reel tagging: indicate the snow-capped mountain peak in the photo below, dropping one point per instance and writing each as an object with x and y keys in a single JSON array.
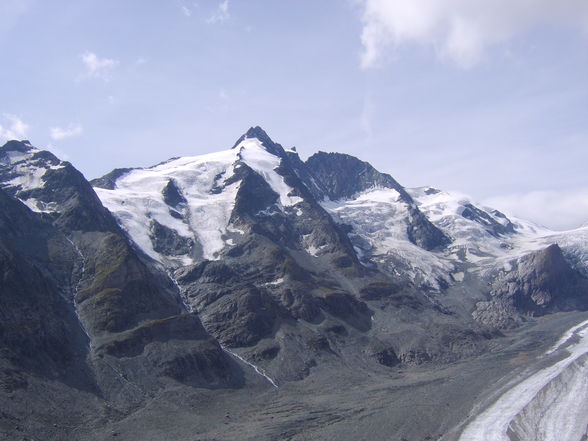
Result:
[
  {"x": 24, "y": 171},
  {"x": 205, "y": 187},
  {"x": 254, "y": 153},
  {"x": 140, "y": 204},
  {"x": 263, "y": 138}
]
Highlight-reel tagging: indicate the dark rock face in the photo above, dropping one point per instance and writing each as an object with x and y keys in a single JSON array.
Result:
[
  {"x": 63, "y": 190},
  {"x": 108, "y": 181},
  {"x": 81, "y": 306},
  {"x": 423, "y": 233},
  {"x": 540, "y": 283},
  {"x": 39, "y": 331},
  {"x": 348, "y": 308},
  {"x": 544, "y": 281},
  {"x": 379, "y": 290},
  {"x": 254, "y": 197},
  {"x": 172, "y": 196},
  {"x": 258, "y": 133},
  {"x": 168, "y": 241},
  {"x": 342, "y": 176},
  {"x": 82, "y": 210},
  {"x": 244, "y": 319},
  {"x": 490, "y": 224},
  {"x": 118, "y": 291},
  {"x": 267, "y": 283}
]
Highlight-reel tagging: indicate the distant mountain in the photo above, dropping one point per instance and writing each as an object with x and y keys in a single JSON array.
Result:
[{"x": 251, "y": 268}]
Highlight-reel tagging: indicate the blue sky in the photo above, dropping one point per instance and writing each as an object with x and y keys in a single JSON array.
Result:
[{"x": 488, "y": 97}]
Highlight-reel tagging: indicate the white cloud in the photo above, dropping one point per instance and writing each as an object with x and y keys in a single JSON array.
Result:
[
  {"x": 13, "y": 128},
  {"x": 221, "y": 14},
  {"x": 97, "y": 67},
  {"x": 460, "y": 30},
  {"x": 60, "y": 133},
  {"x": 186, "y": 11},
  {"x": 559, "y": 210}
]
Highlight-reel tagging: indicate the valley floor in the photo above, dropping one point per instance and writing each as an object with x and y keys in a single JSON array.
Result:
[{"x": 410, "y": 404}]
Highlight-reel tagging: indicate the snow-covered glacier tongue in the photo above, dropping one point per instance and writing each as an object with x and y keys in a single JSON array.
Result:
[{"x": 550, "y": 404}]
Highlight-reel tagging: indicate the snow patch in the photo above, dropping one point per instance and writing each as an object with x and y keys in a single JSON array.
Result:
[
  {"x": 138, "y": 198},
  {"x": 29, "y": 177},
  {"x": 380, "y": 217},
  {"x": 274, "y": 282},
  {"x": 263, "y": 162},
  {"x": 232, "y": 229},
  {"x": 25, "y": 175},
  {"x": 458, "y": 277},
  {"x": 12, "y": 157}
]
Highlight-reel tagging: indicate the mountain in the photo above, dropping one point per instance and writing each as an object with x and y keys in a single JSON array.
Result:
[
  {"x": 250, "y": 276},
  {"x": 259, "y": 239},
  {"x": 82, "y": 306}
]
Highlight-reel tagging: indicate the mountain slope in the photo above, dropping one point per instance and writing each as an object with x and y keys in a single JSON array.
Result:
[
  {"x": 275, "y": 254},
  {"x": 333, "y": 171},
  {"x": 214, "y": 282},
  {"x": 254, "y": 253},
  {"x": 81, "y": 305}
]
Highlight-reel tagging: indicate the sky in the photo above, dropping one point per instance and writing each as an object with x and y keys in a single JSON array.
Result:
[{"x": 485, "y": 97}]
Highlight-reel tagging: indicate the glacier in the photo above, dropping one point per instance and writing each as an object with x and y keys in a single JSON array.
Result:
[{"x": 550, "y": 404}]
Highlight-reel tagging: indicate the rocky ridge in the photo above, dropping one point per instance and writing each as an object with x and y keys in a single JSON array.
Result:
[{"x": 253, "y": 268}]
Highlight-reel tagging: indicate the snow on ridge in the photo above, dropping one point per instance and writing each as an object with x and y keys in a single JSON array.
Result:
[
  {"x": 264, "y": 163},
  {"x": 472, "y": 243},
  {"x": 25, "y": 175},
  {"x": 379, "y": 218},
  {"x": 139, "y": 198},
  {"x": 438, "y": 204},
  {"x": 374, "y": 211},
  {"x": 12, "y": 157}
]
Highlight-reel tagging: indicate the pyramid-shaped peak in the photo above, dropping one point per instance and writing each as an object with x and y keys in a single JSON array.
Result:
[
  {"x": 257, "y": 132},
  {"x": 260, "y": 134}
]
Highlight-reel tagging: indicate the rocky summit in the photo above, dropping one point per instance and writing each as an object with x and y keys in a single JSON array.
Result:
[{"x": 250, "y": 294}]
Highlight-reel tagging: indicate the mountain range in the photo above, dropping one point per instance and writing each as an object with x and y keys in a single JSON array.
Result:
[{"x": 249, "y": 294}]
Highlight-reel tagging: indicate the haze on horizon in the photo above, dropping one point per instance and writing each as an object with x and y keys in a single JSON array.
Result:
[{"x": 487, "y": 97}]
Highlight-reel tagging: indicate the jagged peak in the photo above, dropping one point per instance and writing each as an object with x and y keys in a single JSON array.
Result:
[
  {"x": 345, "y": 175},
  {"x": 261, "y": 135},
  {"x": 14, "y": 145}
]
